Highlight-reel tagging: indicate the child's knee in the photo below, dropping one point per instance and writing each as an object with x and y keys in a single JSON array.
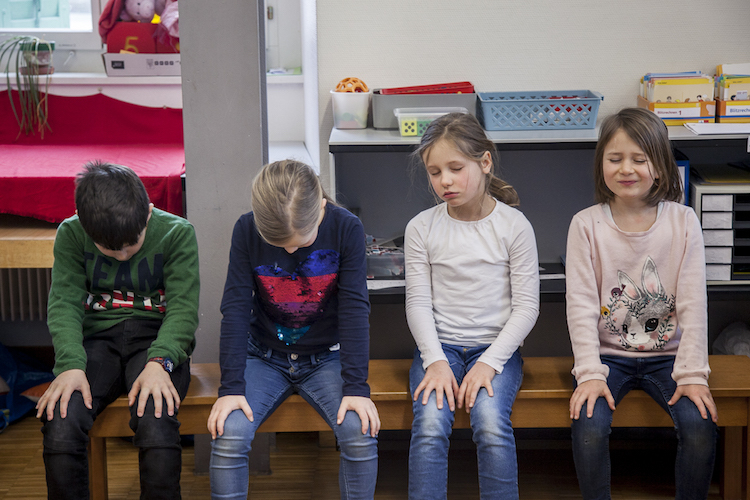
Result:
[
  {"x": 354, "y": 444},
  {"x": 697, "y": 432},
  {"x": 429, "y": 420},
  {"x": 237, "y": 436},
  {"x": 152, "y": 432},
  {"x": 69, "y": 433},
  {"x": 592, "y": 430}
]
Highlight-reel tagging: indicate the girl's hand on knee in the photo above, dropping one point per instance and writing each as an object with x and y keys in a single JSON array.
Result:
[
  {"x": 588, "y": 392},
  {"x": 480, "y": 375},
  {"x": 365, "y": 409},
  {"x": 221, "y": 410},
  {"x": 439, "y": 378},
  {"x": 700, "y": 395}
]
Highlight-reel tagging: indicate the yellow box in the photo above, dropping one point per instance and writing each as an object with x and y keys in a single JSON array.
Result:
[
  {"x": 679, "y": 113},
  {"x": 733, "y": 111}
]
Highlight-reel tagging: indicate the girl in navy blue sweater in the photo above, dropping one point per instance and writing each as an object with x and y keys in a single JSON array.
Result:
[{"x": 295, "y": 320}]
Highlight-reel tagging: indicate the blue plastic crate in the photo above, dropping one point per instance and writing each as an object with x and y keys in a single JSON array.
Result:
[{"x": 569, "y": 109}]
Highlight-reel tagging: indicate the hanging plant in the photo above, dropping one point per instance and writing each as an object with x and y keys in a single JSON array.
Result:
[{"x": 30, "y": 57}]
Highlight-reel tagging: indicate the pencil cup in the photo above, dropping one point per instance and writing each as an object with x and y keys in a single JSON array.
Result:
[{"x": 350, "y": 109}]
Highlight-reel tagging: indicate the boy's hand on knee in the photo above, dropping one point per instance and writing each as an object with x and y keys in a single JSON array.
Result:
[
  {"x": 365, "y": 409},
  {"x": 439, "y": 378},
  {"x": 61, "y": 389},
  {"x": 588, "y": 392},
  {"x": 221, "y": 410},
  {"x": 480, "y": 375},
  {"x": 154, "y": 381},
  {"x": 700, "y": 395}
]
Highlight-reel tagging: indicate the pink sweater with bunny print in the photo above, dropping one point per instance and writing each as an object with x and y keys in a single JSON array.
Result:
[{"x": 637, "y": 294}]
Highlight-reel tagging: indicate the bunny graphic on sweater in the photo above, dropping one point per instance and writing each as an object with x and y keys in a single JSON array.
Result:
[{"x": 642, "y": 316}]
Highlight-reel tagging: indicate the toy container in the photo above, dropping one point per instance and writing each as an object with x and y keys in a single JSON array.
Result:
[
  {"x": 412, "y": 122},
  {"x": 560, "y": 109},
  {"x": 383, "y": 105},
  {"x": 350, "y": 109}
]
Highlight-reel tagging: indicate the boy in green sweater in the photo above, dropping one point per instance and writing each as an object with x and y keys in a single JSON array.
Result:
[{"x": 123, "y": 309}]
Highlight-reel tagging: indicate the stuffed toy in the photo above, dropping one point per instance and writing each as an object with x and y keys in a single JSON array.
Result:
[
  {"x": 141, "y": 10},
  {"x": 128, "y": 10}
]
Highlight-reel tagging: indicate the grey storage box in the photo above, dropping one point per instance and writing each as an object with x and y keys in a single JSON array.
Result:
[{"x": 383, "y": 105}]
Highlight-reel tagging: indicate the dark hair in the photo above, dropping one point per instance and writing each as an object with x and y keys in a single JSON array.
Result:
[
  {"x": 650, "y": 133},
  {"x": 112, "y": 204},
  {"x": 286, "y": 199},
  {"x": 466, "y": 133}
]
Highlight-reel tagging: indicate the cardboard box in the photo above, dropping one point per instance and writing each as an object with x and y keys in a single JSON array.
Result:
[
  {"x": 679, "y": 113},
  {"x": 733, "y": 111},
  {"x": 133, "y": 37},
  {"x": 142, "y": 64}
]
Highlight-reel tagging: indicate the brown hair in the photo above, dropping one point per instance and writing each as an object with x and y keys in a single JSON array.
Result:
[
  {"x": 467, "y": 135},
  {"x": 286, "y": 199},
  {"x": 650, "y": 133},
  {"x": 112, "y": 204}
]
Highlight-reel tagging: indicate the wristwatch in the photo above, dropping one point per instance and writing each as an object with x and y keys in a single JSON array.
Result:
[{"x": 166, "y": 363}]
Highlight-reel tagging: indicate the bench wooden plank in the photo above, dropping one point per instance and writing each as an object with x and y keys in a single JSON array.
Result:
[
  {"x": 542, "y": 402},
  {"x": 26, "y": 242}
]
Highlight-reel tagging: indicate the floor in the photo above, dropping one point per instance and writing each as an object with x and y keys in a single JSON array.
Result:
[{"x": 642, "y": 467}]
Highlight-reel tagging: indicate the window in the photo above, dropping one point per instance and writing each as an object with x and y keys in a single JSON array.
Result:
[{"x": 71, "y": 24}]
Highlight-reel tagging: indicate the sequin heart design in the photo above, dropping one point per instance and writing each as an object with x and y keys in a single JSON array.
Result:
[{"x": 296, "y": 300}]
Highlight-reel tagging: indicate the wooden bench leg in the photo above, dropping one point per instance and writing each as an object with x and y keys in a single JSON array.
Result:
[
  {"x": 98, "y": 468},
  {"x": 731, "y": 481}
]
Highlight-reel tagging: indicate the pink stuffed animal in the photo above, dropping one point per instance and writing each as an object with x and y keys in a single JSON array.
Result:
[{"x": 141, "y": 10}]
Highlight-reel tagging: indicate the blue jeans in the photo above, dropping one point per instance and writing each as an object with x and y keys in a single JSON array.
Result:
[
  {"x": 272, "y": 377},
  {"x": 115, "y": 358},
  {"x": 490, "y": 424},
  {"x": 696, "y": 437}
]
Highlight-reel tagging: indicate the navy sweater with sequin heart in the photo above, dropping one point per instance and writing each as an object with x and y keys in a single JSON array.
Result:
[{"x": 304, "y": 302}]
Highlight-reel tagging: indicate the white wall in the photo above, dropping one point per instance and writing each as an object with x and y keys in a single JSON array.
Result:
[{"x": 504, "y": 45}]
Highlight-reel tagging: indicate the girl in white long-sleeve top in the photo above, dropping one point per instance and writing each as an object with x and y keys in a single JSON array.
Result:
[{"x": 472, "y": 297}]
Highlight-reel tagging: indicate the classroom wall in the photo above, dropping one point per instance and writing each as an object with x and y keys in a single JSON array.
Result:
[{"x": 504, "y": 45}]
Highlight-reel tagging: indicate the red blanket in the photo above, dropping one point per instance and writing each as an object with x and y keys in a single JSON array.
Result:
[{"x": 37, "y": 176}]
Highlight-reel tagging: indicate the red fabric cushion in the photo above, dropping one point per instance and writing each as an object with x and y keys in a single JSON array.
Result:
[{"x": 37, "y": 176}]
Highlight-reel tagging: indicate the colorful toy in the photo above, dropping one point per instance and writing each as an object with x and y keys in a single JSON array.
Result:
[{"x": 351, "y": 85}]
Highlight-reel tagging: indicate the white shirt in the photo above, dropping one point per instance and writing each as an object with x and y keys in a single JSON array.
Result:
[{"x": 471, "y": 283}]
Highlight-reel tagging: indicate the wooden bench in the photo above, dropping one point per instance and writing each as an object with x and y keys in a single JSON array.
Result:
[
  {"x": 25, "y": 242},
  {"x": 542, "y": 402}
]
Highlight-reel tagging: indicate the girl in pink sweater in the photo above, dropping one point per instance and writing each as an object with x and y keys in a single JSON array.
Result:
[{"x": 636, "y": 304}]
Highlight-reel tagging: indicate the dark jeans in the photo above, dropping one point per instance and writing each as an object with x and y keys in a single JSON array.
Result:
[
  {"x": 115, "y": 358},
  {"x": 696, "y": 448}
]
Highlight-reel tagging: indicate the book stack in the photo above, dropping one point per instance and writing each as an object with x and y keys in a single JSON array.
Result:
[
  {"x": 678, "y": 87},
  {"x": 679, "y": 98},
  {"x": 732, "y": 89}
]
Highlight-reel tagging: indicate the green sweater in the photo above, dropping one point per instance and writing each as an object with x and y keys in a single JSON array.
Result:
[{"x": 92, "y": 292}]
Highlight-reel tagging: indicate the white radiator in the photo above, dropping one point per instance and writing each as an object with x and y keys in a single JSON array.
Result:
[{"x": 23, "y": 294}]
